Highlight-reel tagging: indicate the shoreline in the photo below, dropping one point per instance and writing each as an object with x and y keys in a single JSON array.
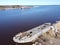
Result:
[{"x": 14, "y": 7}]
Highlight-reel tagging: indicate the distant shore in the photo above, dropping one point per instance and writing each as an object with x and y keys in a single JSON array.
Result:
[{"x": 13, "y": 7}]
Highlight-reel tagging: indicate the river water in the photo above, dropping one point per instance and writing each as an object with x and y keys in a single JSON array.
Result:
[{"x": 13, "y": 21}]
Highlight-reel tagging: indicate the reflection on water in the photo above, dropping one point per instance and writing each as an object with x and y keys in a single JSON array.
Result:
[{"x": 14, "y": 21}]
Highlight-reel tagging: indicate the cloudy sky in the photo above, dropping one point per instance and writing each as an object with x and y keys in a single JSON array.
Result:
[{"x": 29, "y": 2}]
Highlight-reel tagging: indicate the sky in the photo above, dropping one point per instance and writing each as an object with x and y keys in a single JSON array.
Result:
[{"x": 29, "y": 2}]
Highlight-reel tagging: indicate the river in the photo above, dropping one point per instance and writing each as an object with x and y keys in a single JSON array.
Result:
[{"x": 13, "y": 21}]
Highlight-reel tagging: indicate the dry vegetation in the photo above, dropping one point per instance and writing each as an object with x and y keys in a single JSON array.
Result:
[{"x": 50, "y": 37}]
